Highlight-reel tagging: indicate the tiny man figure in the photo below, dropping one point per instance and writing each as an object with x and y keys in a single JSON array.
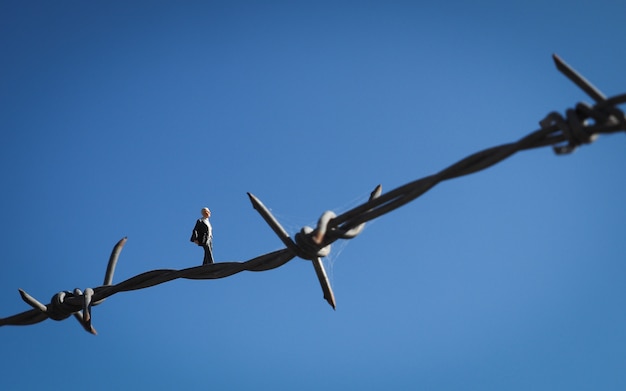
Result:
[{"x": 202, "y": 235}]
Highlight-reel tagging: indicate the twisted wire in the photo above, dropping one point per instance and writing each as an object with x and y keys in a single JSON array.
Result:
[{"x": 580, "y": 125}]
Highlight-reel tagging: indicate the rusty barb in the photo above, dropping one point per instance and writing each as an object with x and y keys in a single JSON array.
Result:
[{"x": 580, "y": 125}]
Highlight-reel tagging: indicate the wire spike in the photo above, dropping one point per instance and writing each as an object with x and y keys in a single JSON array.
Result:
[
  {"x": 272, "y": 222},
  {"x": 87, "y": 305},
  {"x": 324, "y": 283},
  {"x": 578, "y": 79},
  {"x": 32, "y": 301},
  {"x": 108, "y": 277},
  {"x": 87, "y": 326}
]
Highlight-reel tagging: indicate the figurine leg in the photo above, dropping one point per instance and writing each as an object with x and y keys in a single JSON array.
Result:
[{"x": 208, "y": 253}]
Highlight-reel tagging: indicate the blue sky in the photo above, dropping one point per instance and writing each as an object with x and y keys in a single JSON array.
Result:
[{"x": 125, "y": 118}]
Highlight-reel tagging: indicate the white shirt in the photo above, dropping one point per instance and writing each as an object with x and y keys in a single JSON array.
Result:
[{"x": 208, "y": 224}]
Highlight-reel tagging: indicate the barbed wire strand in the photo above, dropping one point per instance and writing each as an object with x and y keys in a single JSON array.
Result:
[{"x": 580, "y": 125}]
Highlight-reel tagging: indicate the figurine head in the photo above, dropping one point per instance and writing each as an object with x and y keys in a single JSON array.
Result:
[{"x": 206, "y": 213}]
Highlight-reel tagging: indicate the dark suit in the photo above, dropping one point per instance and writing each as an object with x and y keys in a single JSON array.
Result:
[{"x": 201, "y": 235}]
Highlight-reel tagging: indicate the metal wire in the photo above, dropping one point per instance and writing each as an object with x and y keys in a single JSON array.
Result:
[{"x": 580, "y": 125}]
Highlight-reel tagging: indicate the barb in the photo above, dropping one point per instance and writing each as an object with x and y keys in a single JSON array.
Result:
[{"x": 580, "y": 125}]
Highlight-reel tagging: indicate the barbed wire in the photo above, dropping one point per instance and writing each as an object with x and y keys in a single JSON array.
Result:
[{"x": 580, "y": 125}]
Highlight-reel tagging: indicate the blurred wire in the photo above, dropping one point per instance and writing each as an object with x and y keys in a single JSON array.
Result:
[{"x": 580, "y": 125}]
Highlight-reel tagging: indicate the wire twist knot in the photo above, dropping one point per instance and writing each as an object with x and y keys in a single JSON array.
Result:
[
  {"x": 59, "y": 309},
  {"x": 309, "y": 242},
  {"x": 582, "y": 124},
  {"x": 573, "y": 128}
]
